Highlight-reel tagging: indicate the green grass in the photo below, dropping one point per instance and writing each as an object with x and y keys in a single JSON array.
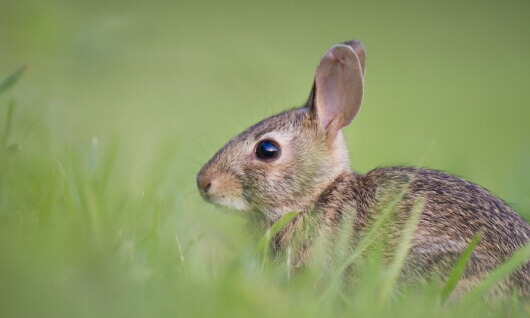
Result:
[
  {"x": 122, "y": 102},
  {"x": 459, "y": 268}
]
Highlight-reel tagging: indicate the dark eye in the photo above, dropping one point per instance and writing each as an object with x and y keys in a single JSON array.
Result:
[{"x": 267, "y": 150}]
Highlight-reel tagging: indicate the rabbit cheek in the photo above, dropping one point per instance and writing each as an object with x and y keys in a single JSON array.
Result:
[{"x": 270, "y": 186}]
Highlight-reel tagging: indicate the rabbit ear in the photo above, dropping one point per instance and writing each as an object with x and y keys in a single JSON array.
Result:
[
  {"x": 358, "y": 48},
  {"x": 338, "y": 90}
]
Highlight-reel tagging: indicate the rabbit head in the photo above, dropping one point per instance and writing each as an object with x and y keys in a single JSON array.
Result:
[{"x": 283, "y": 163}]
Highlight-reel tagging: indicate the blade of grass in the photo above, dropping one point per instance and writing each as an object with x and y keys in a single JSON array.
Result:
[
  {"x": 459, "y": 268},
  {"x": 181, "y": 253},
  {"x": 402, "y": 250},
  {"x": 288, "y": 260},
  {"x": 264, "y": 243},
  {"x": 94, "y": 155},
  {"x": 138, "y": 217},
  {"x": 12, "y": 79},
  {"x": 513, "y": 263},
  {"x": 8, "y": 125}
]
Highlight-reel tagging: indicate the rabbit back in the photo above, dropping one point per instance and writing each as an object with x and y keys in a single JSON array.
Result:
[{"x": 454, "y": 211}]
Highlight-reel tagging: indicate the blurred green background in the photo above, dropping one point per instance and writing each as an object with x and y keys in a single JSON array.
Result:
[{"x": 123, "y": 102}]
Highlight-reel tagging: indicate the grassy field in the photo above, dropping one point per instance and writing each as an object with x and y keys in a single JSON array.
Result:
[{"x": 123, "y": 101}]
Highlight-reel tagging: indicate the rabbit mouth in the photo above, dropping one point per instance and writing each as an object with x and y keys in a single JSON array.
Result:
[
  {"x": 225, "y": 200},
  {"x": 230, "y": 202}
]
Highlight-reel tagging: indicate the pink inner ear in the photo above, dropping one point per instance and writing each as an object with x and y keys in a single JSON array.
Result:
[
  {"x": 338, "y": 88},
  {"x": 330, "y": 98},
  {"x": 330, "y": 89}
]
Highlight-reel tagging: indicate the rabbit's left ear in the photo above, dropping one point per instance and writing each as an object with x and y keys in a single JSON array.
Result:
[{"x": 338, "y": 90}]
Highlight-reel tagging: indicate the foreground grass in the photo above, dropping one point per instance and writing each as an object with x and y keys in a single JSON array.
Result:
[
  {"x": 73, "y": 243},
  {"x": 77, "y": 240}
]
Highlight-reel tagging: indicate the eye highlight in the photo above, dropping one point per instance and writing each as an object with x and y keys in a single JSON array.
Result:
[{"x": 267, "y": 150}]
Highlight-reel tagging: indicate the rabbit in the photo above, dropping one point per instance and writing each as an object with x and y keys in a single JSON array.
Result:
[{"x": 298, "y": 161}]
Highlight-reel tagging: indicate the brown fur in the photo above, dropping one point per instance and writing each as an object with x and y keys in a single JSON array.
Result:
[
  {"x": 312, "y": 175},
  {"x": 455, "y": 210}
]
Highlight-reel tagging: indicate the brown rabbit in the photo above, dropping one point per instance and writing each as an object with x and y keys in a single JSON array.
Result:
[{"x": 298, "y": 161}]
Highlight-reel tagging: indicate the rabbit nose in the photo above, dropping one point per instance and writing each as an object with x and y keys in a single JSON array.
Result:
[{"x": 204, "y": 184}]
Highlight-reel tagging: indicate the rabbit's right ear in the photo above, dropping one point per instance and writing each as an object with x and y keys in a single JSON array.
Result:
[{"x": 338, "y": 90}]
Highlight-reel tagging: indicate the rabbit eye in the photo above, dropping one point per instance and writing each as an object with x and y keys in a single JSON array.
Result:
[{"x": 267, "y": 150}]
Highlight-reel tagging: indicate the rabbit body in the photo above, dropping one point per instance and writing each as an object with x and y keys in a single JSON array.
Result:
[
  {"x": 454, "y": 211},
  {"x": 298, "y": 161}
]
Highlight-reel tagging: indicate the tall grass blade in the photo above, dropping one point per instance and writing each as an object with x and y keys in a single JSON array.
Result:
[
  {"x": 94, "y": 155},
  {"x": 288, "y": 262},
  {"x": 402, "y": 250},
  {"x": 138, "y": 217},
  {"x": 459, "y": 268},
  {"x": 12, "y": 79},
  {"x": 8, "y": 124},
  {"x": 513, "y": 263},
  {"x": 264, "y": 243}
]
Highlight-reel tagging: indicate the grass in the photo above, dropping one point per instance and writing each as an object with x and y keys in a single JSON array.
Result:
[
  {"x": 122, "y": 104},
  {"x": 264, "y": 243},
  {"x": 459, "y": 268}
]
